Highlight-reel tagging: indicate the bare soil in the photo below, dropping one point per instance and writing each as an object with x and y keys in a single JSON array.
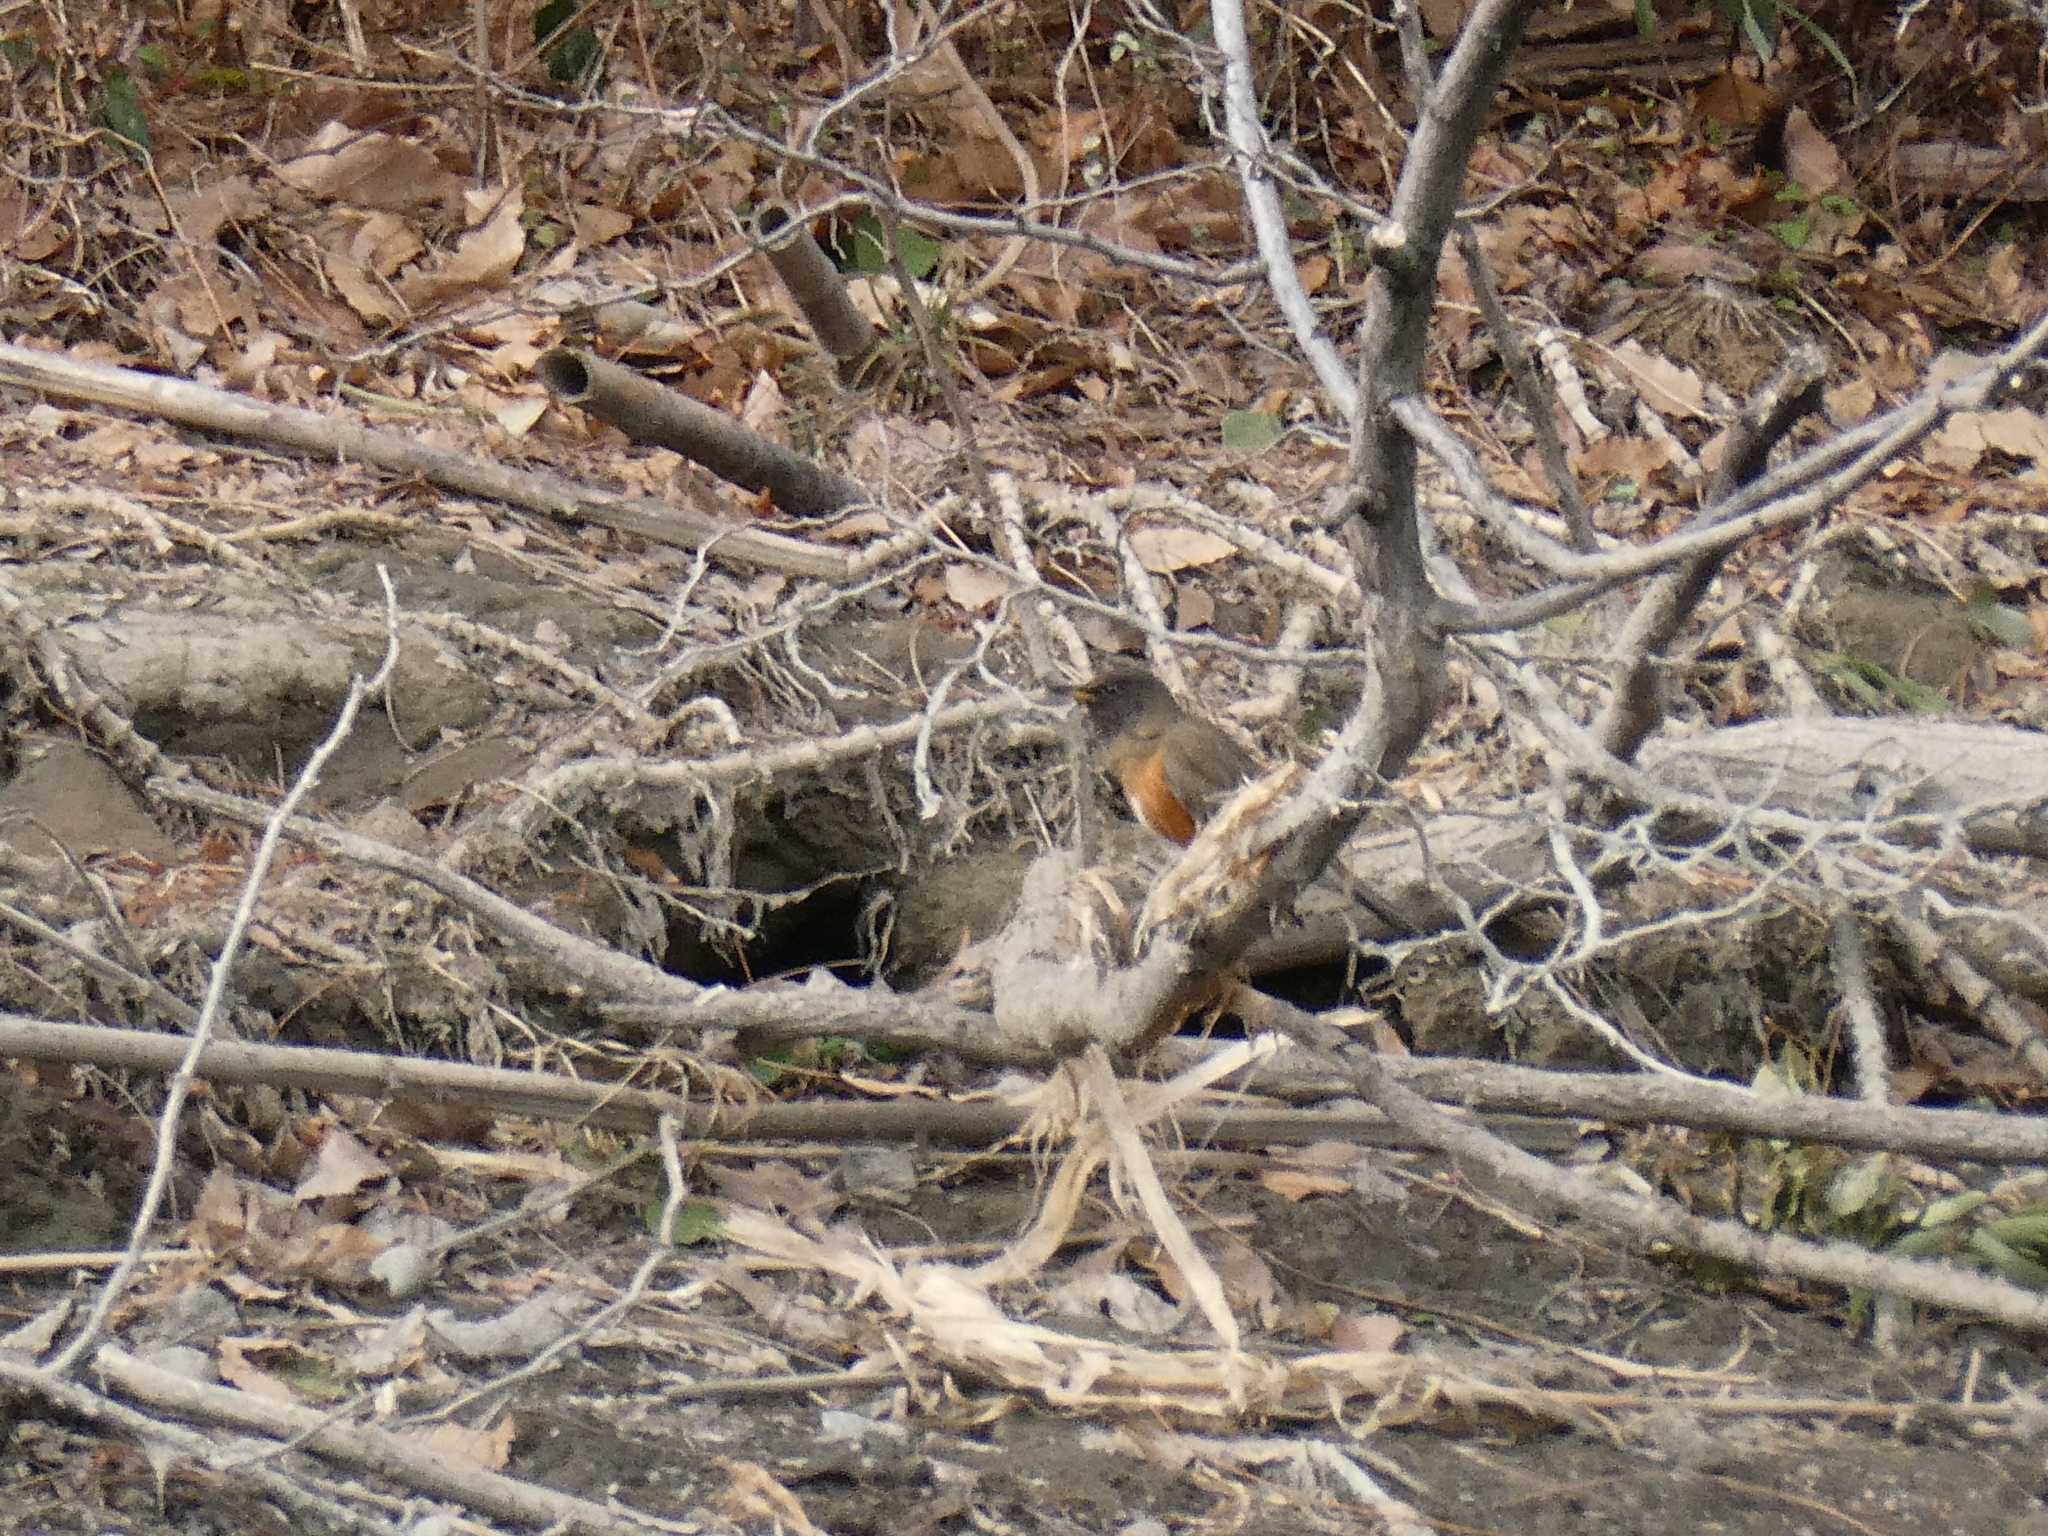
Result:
[{"x": 1656, "y": 1397}]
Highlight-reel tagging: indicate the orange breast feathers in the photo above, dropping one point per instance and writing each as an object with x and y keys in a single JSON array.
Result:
[{"x": 1143, "y": 777}]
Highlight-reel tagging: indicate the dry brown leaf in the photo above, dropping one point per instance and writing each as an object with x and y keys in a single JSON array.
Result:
[
  {"x": 238, "y": 1370},
  {"x": 2015, "y": 430},
  {"x": 1443, "y": 18},
  {"x": 1330, "y": 1156},
  {"x": 1810, "y": 160},
  {"x": 515, "y": 415},
  {"x": 482, "y": 260},
  {"x": 1057, "y": 301},
  {"x": 1164, "y": 548},
  {"x": 399, "y": 1345},
  {"x": 1625, "y": 458},
  {"x": 1665, "y": 387},
  {"x": 753, "y": 1494},
  {"x": 115, "y": 440},
  {"x": 2005, "y": 278},
  {"x": 1673, "y": 262},
  {"x": 343, "y": 1166},
  {"x": 160, "y": 454},
  {"x": 220, "y": 1218},
  {"x": 763, "y": 406},
  {"x": 1964, "y": 439},
  {"x": 1247, "y": 1280},
  {"x": 1849, "y": 403},
  {"x": 1295, "y": 1185},
  {"x": 1372, "y": 1333},
  {"x": 975, "y": 588},
  {"x": 364, "y": 294},
  {"x": 383, "y": 243},
  {"x": 1733, "y": 100},
  {"x": 370, "y": 170},
  {"x": 776, "y": 1186},
  {"x": 40, "y": 1332},
  {"x": 595, "y": 224},
  {"x": 247, "y": 1288},
  {"x": 489, "y": 1449},
  {"x": 334, "y": 1253},
  {"x": 201, "y": 215},
  {"x": 1193, "y": 607},
  {"x": 1726, "y": 640}
]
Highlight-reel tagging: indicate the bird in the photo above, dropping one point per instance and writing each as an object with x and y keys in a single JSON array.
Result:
[{"x": 1174, "y": 767}]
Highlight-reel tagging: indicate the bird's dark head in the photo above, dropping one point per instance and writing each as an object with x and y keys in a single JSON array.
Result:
[{"x": 1120, "y": 695}]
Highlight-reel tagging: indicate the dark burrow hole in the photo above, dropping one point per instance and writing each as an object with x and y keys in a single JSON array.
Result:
[
  {"x": 824, "y": 928},
  {"x": 826, "y": 870}
]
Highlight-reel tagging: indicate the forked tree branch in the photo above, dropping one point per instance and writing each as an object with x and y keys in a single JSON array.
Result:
[{"x": 1222, "y": 896}]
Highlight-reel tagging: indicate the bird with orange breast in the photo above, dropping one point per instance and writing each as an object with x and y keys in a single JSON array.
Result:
[{"x": 1173, "y": 766}]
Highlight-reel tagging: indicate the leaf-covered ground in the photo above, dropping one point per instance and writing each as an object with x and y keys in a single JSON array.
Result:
[{"x": 389, "y": 215}]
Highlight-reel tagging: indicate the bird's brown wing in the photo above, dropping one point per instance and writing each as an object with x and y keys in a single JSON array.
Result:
[{"x": 1204, "y": 766}]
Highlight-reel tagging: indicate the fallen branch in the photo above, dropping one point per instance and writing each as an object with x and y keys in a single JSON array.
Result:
[
  {"x": 231, "y": 1460},
  {"x": 1494, "y": 1088},
  {"x": 651, "y": 413},
  {"x": 1650, "y": 1222},
  {"x": 219, "y": 410},
  {"x": 412, "y": 1464}
]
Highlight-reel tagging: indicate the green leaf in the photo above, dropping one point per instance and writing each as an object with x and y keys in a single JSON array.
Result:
[
  {"x": 1860, "y": 1185},
  {"x": 1828, "y": 46},
  {"x": 1992, "y": 621},
  {"x": 312, "y": 1377},
  {"x": 2008, "y": 1261},
  {"x": 920, "y": 253},
  {"x": 1757, "y": 20},
  {"x": 572, "y": 56},
  {"x": 1942, "y": 1213},
  {"x": 121, "y": 110},
  {"x": 2023, "y": 1229},
  {"x": 860, "y": 248},
  {"x": 1793, "y": 232},
  {"x": 552, "y": 16},
  {"x": 222, "y": 81},
  {"x": 863, "y": 247},
  {"x": 1786, "y": 1075},
  {"x": 576, "y": 57},
  {"x": 1877, "y": 687},
  {"x": 1927, "y": 1243},
  {"x": 699, "y": 1221},
  {"x": 1646, "y": 19},
  {"x": 1251, "y": 431}
]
